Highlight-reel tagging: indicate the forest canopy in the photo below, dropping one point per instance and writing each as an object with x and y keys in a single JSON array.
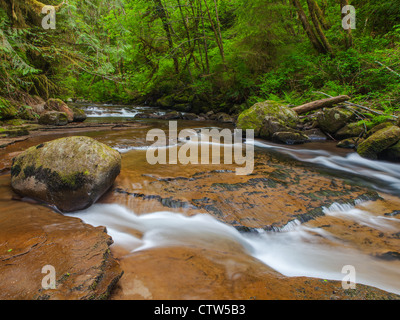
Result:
[{"x": 220, "y": 54}]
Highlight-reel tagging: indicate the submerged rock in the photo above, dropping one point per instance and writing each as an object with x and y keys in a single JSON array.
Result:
[
  {"x": 379, "y": 142},
  {"x": 70, "y": 173}
]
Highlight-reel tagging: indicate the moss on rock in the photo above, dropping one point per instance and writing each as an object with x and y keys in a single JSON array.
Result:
[
  {"x": 54, "y": 118},
  {"x": 253, "y": 118},
  {"x": 69, "y": 173},
  {"x": 378, "y": 142},
  {"x": 333, "y": 119},
  {"x": 78, "y": 114},
  {"x": 351, "y": 130}
]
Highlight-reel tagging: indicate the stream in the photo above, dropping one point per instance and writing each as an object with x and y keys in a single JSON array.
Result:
[{"x": 305, "y": 211}]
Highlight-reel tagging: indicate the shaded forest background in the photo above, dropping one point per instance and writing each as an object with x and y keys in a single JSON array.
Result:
[{"x": 198, "y": 55}]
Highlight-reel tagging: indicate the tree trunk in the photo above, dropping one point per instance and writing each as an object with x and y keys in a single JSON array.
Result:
[
  {"x": 307, "y": 27},
  {"x": 163, "y": 16},
  {"x": 312, "y": 7},
  {"x": 319, "y": 104}
]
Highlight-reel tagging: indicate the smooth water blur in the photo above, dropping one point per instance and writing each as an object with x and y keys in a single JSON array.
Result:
[
  {"x": 297, "y": 250},
  {"x": 380, "y": 175},
  {"x": 362, "y": 234}
]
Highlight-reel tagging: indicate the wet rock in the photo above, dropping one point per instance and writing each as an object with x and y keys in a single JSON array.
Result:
[
  {"x": 190, "y": 116},
  {"x": 350, "y": 143},
  {"x": 60, "y": 106},
  {"x": 315, "y": 134},
  {"x": 333, "y": 119},
  {"x": 351, "y": 130},
  {"x": 290, "y": 137},
  {"x": 272, "y": 125},
  {"x": 173, "y": 115},
  {"x": 379, "y": 142},
  {"x": 391, "y": 154},
  {"x": 54, "y": 118},
  {"x": 210, "y": 115},
  {"x": 379, "y": 127},
  {"x": 147, "y": 116},
  {"x": 274, "y": 112},
  {"x": 84, "y": 267},
  {"x": 78, "y": 114},
  {"x": 69, "y": 173},
  {"x": 224, "y": 118}
]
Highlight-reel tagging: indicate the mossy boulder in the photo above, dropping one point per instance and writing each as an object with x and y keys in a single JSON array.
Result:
[
  {"x": 331, "y": 120},
  {"x": 378, "y": 127},
  {"x": 78, "y": 114},
  {"x": 253, "y": 118},
  {"x": 7, "y": 110},
  {"x": 272, "y": 125},
  {"x": 54, "y": 118},
  {"x": 60, "y": 106},
  {"x": 379, "y": 142},
  {"x": 69, "y": 173},
  {"x": 351, "y": 130},
  {"x": 350, "y": 143}
]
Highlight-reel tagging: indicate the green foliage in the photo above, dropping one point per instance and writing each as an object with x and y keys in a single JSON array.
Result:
[{"x": 221, "y": 53}]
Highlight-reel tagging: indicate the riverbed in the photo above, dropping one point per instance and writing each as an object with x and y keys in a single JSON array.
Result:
[{"x": 289, "y": 230}]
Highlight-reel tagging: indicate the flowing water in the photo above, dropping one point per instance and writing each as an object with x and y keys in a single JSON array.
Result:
[{"x": 305, "y": 211}]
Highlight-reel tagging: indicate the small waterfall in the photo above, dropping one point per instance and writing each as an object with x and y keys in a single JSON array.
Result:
[{"x": 296, "y": 250}]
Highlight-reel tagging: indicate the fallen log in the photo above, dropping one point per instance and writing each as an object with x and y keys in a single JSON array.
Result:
[{"x": 319, "y": 104}]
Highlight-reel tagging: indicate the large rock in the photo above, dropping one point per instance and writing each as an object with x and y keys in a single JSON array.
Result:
[
  {"x": 331, "y": 120},
  {"x": 391, "y": 154},
  {"x": 379, "y": 142},
  {"x": 70, "y": 173},
  {"x": 60, "y": 106},
  {"x": 54, "y": 118},
  {"x": 254, "y": 117},
  {"x": 33, "y": 237},
  {"x": 78, "y": 114},
  {"x": 351, "y": 130}
]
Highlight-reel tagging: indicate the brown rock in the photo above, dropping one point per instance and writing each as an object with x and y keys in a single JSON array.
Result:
[
  {"x": 36, "y": 237},
  {"x": 60, "y": 106}
]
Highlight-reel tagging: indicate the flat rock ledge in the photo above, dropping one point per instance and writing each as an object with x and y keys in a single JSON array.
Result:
[{"x": 84, "y": 268}]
